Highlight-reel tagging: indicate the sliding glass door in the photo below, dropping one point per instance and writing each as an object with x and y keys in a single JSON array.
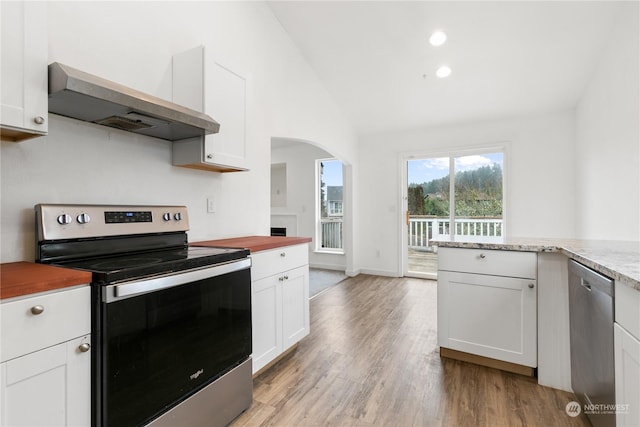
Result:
[
  {"x": 450, "y": 198},
  {"x": 427, "y": 213}
]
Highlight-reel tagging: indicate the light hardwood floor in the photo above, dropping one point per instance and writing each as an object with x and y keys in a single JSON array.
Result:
[{"x": 372, "y": 360}]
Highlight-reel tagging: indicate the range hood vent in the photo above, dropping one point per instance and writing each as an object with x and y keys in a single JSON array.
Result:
[{"x": 83, "y": 96}]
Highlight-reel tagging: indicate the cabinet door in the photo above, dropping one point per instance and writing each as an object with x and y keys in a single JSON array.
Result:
[
  {"x": 24, "y": 69},
  {"x": 51, "y": 387},
  {"x": 221, "y": 91},
  {"x": 627, "y": 371},
  {"x": 226, "y": 101},
  {"x": 266, "y": 319},
  {"x": 295, "y": 306},
  {"x": 490, "y": 316}
]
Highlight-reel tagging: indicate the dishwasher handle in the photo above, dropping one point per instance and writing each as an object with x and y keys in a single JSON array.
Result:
[
  {"x": 590, "y": 279},
  {"x": 585, "y": 284}
]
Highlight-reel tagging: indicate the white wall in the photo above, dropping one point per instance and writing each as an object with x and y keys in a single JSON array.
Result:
[
  {"x": 300, "y": 159},
  {"x": 608, "y": 138},
  {"x": 132, "y": 43},
  {"x": 539, "y": 172}
]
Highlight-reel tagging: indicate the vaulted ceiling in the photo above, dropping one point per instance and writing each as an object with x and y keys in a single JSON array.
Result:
[{"x": 508, "y": 58}]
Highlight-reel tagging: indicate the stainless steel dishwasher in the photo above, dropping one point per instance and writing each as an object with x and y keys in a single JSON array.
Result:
[{"x": 591, "y": 326}]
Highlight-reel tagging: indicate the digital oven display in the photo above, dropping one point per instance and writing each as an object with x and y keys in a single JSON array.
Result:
[{"x": 127, "y": 216}]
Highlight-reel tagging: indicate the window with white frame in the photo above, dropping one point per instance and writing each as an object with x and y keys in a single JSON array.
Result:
[{"x": 329, "y": 211}]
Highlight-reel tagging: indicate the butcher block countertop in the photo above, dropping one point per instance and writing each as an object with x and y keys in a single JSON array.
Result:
[
  {"x": 24, "y": 278},
  {"x": 255, "y": 243}
]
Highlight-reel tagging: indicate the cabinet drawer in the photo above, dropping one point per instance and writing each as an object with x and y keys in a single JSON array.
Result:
[
  {"x": 274, "y": 261},
  {"x": 493, "y": 262},
  {"x": 66, "y": 315}
]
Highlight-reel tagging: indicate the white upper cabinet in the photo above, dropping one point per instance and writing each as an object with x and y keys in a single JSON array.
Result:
[
  {"x": 23, "y": 113},
  {"x": 220, "y": 90}
]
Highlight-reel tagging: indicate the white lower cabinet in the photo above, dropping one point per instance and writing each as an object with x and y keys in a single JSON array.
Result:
[
  {"x": 266, "y": 316},
  {"x": 280, "y": 304},
  {"x": 295, "y": 306},
  {"x": 45, "y": 374},
  {"x": 487, "y": 304},
  {"x": 50, "y": 387},
  {"x": 626, "y": 341},
  {"x": 627, "y": 368}
]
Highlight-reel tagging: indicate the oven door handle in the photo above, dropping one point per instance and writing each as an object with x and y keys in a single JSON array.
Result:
[{"x": 121, "y": 291}]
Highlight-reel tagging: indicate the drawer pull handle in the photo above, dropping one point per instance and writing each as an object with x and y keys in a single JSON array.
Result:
[
  {"x": 283, "y": 254},
  {"x": 482, "y": 256},
  {"x": 531, "y": 285},
  {"x": 281, "y": 278},
  {"x": 286, "y": 277},
  {"x": 84, "y": 347},
  {"x": 37, "y": 309}
]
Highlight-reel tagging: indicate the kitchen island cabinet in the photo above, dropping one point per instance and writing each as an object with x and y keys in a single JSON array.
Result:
[
  {"x": 487, "y": 307},
  {"x": 23, "y": 113},
  {"x": 617, "y": 259}
]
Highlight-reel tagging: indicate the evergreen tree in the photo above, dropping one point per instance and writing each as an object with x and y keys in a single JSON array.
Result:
[
  {"x": 416, "y": 200},
  {"x": 478, "y": 193}
]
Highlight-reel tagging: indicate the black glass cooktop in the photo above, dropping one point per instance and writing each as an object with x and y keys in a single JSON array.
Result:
[{"x": 130, "y": 266}]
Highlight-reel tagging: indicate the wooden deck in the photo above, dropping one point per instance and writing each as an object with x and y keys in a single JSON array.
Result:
[{"x": 422, "y": 261}]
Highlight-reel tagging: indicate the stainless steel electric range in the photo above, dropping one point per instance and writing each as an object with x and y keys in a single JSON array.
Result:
[{"x": 171, "y": 324}]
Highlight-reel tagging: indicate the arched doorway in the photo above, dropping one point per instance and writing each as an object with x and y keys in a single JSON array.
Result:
[{"x": 296, "y": 196}]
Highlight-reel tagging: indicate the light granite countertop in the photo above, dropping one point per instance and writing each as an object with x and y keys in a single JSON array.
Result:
[{"x": 616, "y": 259}]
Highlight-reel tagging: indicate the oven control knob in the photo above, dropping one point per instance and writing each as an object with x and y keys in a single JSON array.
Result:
[
  {"x": 177, "y": 216},
  {"x": 166, "y": 216},
  {"x": 64, "y": 219},
  {"x": 83, "y": 218}
]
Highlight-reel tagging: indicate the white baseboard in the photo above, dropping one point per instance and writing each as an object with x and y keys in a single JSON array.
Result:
[
  {"x": 385, "y": 273},
  {"x": 352, "y": 273},
  {"x": 327, "y": 266}
]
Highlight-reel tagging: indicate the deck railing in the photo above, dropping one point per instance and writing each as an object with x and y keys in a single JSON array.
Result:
[
  {"x": 331, "y": 233},
  {"x": 424, "y": 229}
]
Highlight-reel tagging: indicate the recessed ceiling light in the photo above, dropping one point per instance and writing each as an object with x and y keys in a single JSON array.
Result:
[
  {"x": 438, "y": 38},
  {"x": 443, "y": 72}
]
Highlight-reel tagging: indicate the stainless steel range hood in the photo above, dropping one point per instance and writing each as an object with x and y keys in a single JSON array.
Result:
[{"x": 83, "y": 96}]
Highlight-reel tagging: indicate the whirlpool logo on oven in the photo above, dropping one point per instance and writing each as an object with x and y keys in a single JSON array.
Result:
[{"x": 196, "y": 374}]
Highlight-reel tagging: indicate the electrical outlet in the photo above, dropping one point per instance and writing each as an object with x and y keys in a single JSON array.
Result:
[{"x": 211, "y": 205}]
